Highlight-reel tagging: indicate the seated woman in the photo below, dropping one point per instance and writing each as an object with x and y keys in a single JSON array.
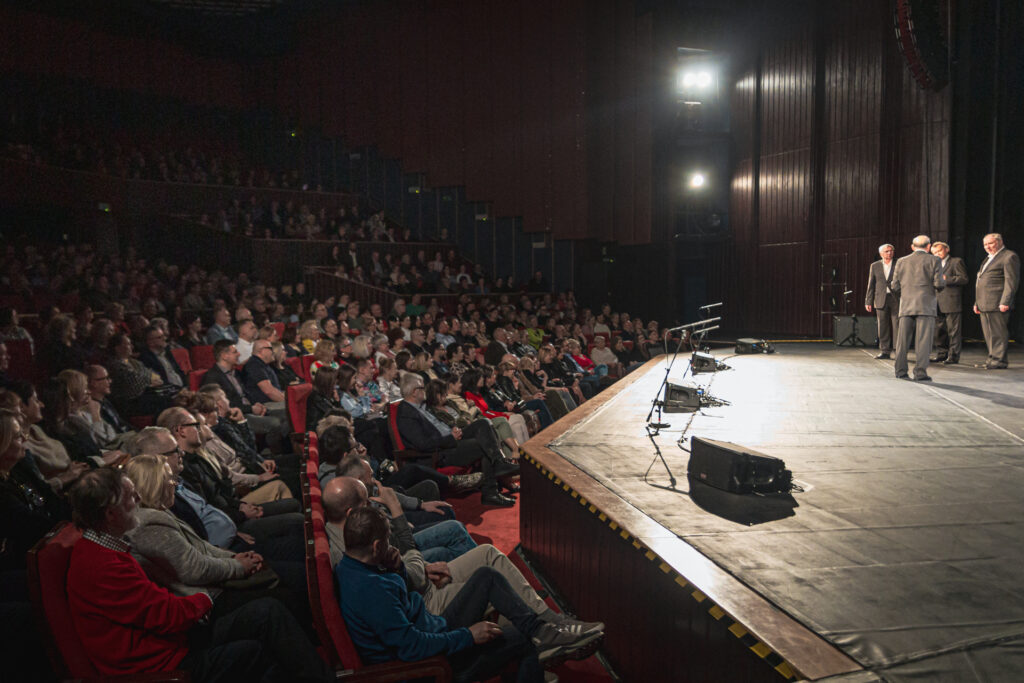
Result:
[
  {"x": 28, "y": 506},
  {"x": 387, "y": 380},
  {"x": 71, "y": 420},
  {"x": 192, "y": 326},
  {"x": 507, "y": 381},
  {"x": 258, "y": 487},
  {"x": 285, "y": 375},
  {"x": 325, "y": 354},
  {"x": 472, "y": 385},
  {"x": 292, "y": 347},
  {"x": 309, "y": 336},
  {"x": 323, "y": 399},
  {"x": 558, "y": 375},
  {"x": 174, "y": 556},
  {"x": 423, "y": 366},
  {"x": 533, "y": 380},
  {"x": 355, "y": 399},
  {"x": 46, "y": 455}
]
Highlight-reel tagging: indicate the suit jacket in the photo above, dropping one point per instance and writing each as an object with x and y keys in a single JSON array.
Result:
[
  {"x": 997, "y": 284},
  {"x": 955, "y": 277},
  {"x": 216, "y": 376},
  {"x": 877, "y": 284},
  {"x": 917, "y": 277},
  {"x": 151, "y": 361},
  {"x": 200, "y": 476},
  {"x": 417, "y": 432}
]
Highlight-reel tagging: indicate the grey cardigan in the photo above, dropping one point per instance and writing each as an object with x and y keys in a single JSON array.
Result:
[{"x": 173, "y": 556}]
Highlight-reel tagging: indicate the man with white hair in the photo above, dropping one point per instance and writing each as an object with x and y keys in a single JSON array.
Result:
[
  {"x": 995, "y": 291},
  {"x": 881, "y": 299},
  {"x": 916, "y": 278}
]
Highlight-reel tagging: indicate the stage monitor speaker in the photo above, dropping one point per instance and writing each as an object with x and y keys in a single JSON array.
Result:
[
  {"x": 737, "y": 469},
  {"x": 682, "y": 398},
  {"x": 703, "y": 362},
  {"x": 751, "y": 345},
  {"x": 867, "y": 329}
]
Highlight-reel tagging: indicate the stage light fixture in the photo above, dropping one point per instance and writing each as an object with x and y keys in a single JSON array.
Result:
[
  {"x": 693, "y": 79},
  {"x": 697, "y": 180}
]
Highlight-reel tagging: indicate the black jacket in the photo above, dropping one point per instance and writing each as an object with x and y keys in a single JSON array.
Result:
[
  {"x": 216, "y": 376},
  {"x": 239, "y": 436},
  {"x": 317, "y": 407},
  {"x": 151, "y": 361},
  {"x": 215, "y": 488},
  {"x": 418, "y": 433}
]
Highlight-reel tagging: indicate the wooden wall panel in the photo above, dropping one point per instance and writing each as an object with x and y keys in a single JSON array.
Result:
[{"x": 851, "y": 154}]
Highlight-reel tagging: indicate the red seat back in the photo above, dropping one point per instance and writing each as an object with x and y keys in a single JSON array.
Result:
[
  {"x": 195, "y": 379},
  {"x": 47, "y": 568},
  {"x": 183, "y": 359},
  {"x": 307, "y": 363},
  {"x": 295, "y": 396},
  {"x": 279, "y": 328},
  {"x": 22, "y": 364},
  {"x": 330, "y": 609},
  {"x": 295, "y": 363},
  {"x": 396, "y": 438},
  {"x": 202, "y": 357}
]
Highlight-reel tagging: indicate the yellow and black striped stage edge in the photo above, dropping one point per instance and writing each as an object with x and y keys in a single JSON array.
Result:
[{"x": 771, "y": 658}]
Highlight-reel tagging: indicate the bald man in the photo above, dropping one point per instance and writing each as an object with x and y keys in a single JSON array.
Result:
[
  {"x": 438, "y": 582},
  {"x": 916, "y": 279}
]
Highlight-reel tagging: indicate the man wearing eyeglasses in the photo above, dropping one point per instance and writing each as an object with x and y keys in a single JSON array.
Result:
[
  {"x": 261, "y": 383},
  {"x": 114, "y": 432}
]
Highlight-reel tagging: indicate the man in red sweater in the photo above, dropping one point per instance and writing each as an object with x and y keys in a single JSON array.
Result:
[{"x": 128, "y": 624}]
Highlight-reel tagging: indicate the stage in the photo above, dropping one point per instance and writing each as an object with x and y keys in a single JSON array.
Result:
[{"x": 901, "y": 555}]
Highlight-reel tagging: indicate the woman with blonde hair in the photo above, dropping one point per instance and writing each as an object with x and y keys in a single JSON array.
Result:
[
  {"x": 174, "y": 556},
  {"x": 387, "y": 380},
  {"x": 74, "y": 417},
  {"x": 309, "y": 335},
  {"x": 361, "y": 346},
  {"x": 324, "y": 353}
]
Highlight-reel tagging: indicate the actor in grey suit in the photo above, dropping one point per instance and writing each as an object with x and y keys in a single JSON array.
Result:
[
  {"x": 881, "y": 299},
  {"x": 948, "y": 324},
  {"x": 994, "y": 292},
  {"x": 917, "y": 277}
]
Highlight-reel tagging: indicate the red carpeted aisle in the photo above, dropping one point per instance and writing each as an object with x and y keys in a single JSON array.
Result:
[{"x": 500, "y": 528}]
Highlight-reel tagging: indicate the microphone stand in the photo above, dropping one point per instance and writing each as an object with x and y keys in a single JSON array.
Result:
[{"x": 657, "y": 404}]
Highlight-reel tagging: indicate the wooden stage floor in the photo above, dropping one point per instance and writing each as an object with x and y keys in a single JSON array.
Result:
[{"x": 904, "y": 549}]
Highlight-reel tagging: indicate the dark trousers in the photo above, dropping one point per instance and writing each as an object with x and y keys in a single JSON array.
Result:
[
  {"x": 279, "y": 539},
  {"x": 480, "y": 662},
  {"x": 543, "y": 414},
  {"x": 995, "y": 325},
  {"x": 259, "y": 641},
  {"x": 412, "y": 474},
  {"x": 948, "y": 335},
  {"x": 888, "y": 322}
]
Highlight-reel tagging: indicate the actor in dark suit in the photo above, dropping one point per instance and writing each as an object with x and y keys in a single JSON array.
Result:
[
  {"x": 881, "y": 299},
  {"x": 994, "y": 293},
  {"x": 948, "y": 323},
  {"x": 423, "y": 432},
  {"x": 916, "y": 278}
]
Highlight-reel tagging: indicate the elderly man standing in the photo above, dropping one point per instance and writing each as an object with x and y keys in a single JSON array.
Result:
[
  {"x": 995, "y": 291},
  {"x": 948, "y": 324},
  {"x": 916, "y": 278},
  {"x": 881, "y": 299}
]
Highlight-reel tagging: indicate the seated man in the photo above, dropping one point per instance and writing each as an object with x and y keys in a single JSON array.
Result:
[
  {"x": 158, "y": 357},
  {"x": 419, "y": 430},
  {"x": 437, "y": 582},
  {"x": 430, "y": 519},
  {"x": 269, "y": 421},
  {"x": 128, "y": 624},
  {"x": 386, "y": 622}
]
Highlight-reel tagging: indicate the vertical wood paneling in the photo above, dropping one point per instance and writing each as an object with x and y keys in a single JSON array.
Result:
[{"x": 880, "y": 155}]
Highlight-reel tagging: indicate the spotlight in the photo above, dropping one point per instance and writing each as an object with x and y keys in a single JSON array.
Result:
[
  {"x": 698, "y": 180},
  {"x": 694, "y": 80}
]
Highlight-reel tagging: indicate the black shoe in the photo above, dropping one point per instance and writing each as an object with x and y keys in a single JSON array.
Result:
[
  {"x": 494, "y": 497},
  {"x": 882, "y": 356},
  {"x": 923, "y": 378},
  {"x": 504, "y": 468},
  {"x": 903, "y": 376},
  {"x": 995, "y": 366},
  {"x": 510, "y": 486},
  {"x": 951, "y": 361},
  {"x": 937, "y": 359}
]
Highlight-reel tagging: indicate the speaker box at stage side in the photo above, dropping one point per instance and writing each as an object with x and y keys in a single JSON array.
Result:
[{"x": 736, "y": 469}]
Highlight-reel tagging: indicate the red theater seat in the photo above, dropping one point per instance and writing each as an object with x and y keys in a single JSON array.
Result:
[
  {"x": 202, "y": 357},
  {"x": 295, "y": 396},
  {"x": 183, "y": 359},
  {"x": 47, "y": 571}
]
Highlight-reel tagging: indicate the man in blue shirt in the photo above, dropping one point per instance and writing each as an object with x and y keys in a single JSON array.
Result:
[{"x": 386, "y": 622}]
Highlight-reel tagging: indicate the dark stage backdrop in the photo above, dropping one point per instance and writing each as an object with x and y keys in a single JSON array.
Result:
[{"x": 837, "y": 151}]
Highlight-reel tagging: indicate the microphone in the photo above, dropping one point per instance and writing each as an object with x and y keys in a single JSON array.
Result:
[
  {"x": 848, "y": 292},
  {"x": 704, "y": 308},
  {"x": 696, "y": 324}
]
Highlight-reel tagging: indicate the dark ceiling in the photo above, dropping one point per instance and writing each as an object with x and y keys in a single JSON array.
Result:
[{"x": 240, "y": 30}]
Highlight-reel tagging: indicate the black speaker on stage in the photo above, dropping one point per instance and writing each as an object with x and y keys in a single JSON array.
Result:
[
  {"x": 682, "y": 398},
  {"x": 737, "y": 469},
  {"x": 751, "y": 345},
  {"x": 703, "y": 362}
]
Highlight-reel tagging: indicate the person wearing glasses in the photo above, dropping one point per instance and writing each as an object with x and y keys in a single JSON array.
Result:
[{"x": 261, "y": 382}]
